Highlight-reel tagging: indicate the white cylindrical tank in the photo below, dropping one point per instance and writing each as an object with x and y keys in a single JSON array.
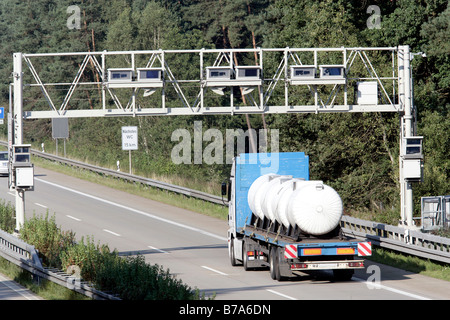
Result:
[
  {"x": 279, "y": 205},
  {"x": 315, "y": 207},
  {"x": 311, "y": 205},
  {"x": 269, "y": 195},
  {"x": 254, "y": 197}
]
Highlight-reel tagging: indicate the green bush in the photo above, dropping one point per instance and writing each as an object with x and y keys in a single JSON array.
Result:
[
  {"x": 131, "y": 278},
  {"x": 87, "y": 256},
  {"x": 47, "y": 238},
  {"x": 7, "y": 217}
]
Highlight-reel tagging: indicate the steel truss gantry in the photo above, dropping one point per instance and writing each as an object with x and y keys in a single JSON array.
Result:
[
  {"x": 242, "y": 81},
  {"x": 274, "y": 79}
]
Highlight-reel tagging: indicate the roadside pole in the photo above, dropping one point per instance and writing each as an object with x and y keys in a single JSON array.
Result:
[{"x": 18, "y": 133}]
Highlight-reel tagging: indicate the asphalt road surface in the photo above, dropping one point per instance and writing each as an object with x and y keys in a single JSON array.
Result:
[
  {"x": 194, "y": 247},
  {"x": 11, "y": 290}
]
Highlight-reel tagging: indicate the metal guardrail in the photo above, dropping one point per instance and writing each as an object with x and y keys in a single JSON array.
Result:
[
  {"x": 126, "y": 176},
  {"x": 138, "y": 179},
  {"x": 26, "y": 257},
  {"x": 435, "y": 212},
  {"x": 399, "y": 239}
]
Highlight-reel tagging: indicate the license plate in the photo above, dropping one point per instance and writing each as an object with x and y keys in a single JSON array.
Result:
[{"x": 323, "y": 265}]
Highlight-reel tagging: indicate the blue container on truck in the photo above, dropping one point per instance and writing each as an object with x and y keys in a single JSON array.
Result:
[{"x": 279, "y": 218}]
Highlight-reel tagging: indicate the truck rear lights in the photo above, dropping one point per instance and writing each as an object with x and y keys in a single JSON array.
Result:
[
  {"x": 252, "y": 255},
  {"x": 359, "y": 264},
  {"x": 261, "y": 255},
  {"x": 296, "y": 266}
]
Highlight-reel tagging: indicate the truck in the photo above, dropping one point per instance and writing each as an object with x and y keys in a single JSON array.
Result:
[{"x": 281, "y": 220}]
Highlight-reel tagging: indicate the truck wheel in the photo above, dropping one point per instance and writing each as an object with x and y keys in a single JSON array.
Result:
[
  {"x": 232, "y": 255},
  {"x": 274, "y": 264},
  {"x": 245, "y": 256}
]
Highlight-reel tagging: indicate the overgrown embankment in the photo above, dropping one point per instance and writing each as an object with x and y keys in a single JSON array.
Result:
[{"x": 129, "y": 278}]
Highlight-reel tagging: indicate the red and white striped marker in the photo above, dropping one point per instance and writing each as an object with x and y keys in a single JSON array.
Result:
[
  {"x": 290, "y": 251},
  {"x": 364, "y": 249}
]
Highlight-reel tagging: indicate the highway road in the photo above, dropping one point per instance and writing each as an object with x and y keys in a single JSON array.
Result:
[
  {"x": 11, "y": 290},
  {"x": 194, "y": 247}
]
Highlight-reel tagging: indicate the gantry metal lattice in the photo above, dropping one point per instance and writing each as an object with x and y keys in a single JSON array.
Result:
[{"x": 218, "y": 81}]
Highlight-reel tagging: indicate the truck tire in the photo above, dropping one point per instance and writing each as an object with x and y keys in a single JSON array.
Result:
[
  {"x": 274, "y": 264},
  {"x": 233, "y": 259},
  {"x": 245, "y": 256}
]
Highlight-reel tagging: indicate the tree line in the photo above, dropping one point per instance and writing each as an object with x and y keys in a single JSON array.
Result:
[{"x": 357, "y": 154}]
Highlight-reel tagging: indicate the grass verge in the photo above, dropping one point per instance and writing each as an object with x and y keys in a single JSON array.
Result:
[
  {"x": 414, "y": 264},
  {"x": 170, "y": 198}
]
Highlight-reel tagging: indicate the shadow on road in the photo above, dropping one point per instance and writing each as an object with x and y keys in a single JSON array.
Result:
[{"x": 153, "y": 251}]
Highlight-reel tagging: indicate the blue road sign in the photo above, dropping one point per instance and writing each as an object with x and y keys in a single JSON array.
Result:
[{"x": 2, "y": 113}]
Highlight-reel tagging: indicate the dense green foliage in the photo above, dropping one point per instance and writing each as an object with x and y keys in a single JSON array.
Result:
[
  {"x": 48, "y": 239},
  {"x": 355, "y": 153},
  {"x": 130, "y": 278},
  {"x": 7, "y": 217}
]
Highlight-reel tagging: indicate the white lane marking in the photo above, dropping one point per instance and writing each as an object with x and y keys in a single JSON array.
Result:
[
  {"x": 373, "y": 285},
  {"x": 135, "y": 210},
  {"x": 214, "y": 270},
  {"x": 113, "y": 233},
  {"x": 41, "y": 205},
  {"x": 76, "y": 219},
  {"x": 159, "y": 250},
  {"x": 281, "y": 294},
  {"x": 13, "y": 286}
]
